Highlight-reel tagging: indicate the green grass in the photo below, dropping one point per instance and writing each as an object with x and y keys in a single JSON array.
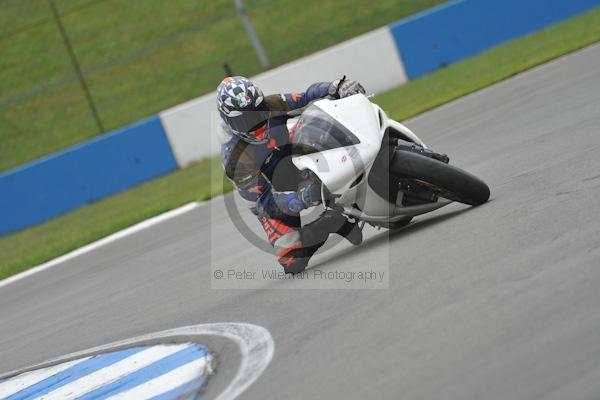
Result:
[
  {"x": 203, "y": 180},
  {"x": 140, "y": 57}
]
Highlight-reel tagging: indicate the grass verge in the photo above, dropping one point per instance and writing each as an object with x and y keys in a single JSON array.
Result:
[{"x": 35, "y": 245}]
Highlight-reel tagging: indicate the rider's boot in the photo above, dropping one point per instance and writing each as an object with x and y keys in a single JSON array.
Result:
[
  {"x": 352, "y": 232},
  {"x": 331, "y": 221},
  {"x": 338, "y": 223}
]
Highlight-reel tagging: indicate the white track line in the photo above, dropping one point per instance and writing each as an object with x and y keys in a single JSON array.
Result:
[
  {"x": 255, "y": 343},
  {"x": 102, "y": 242},
  {"x": 33, "y": 377},
  {"x": 112, "y": 372}
]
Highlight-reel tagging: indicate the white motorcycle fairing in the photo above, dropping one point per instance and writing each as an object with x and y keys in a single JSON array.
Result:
[{"x": 344, "y": 171}]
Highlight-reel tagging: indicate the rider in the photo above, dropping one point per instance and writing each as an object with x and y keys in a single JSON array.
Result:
[{"x": 256, "y": 142}]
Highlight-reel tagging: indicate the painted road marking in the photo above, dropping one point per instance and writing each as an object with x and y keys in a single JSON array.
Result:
[
  {"x": 33, "y": 377},
  {"x": 165, "y": 384},
  {"x": 117, "y": 370},
  {"x": 255, "y": 344},
  {"x": 71, "y": 374},
  {"x": 114, "y": 372},
  {"x": 153, "y": 372}
]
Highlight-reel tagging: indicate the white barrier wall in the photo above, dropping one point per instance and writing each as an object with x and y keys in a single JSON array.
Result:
[{"x": 371, "y": 58}]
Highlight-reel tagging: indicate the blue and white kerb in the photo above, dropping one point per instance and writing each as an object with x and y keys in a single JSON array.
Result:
[{"x": 145, "y": 372}]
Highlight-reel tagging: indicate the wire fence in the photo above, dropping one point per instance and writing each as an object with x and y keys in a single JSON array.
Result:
[
  {"x": 138, "y": 57},
  {"x": 99, "y": 64},
  {"x": 32, "y": 15}
]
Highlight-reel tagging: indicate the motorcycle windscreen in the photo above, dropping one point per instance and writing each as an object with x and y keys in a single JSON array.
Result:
[{"x": 317, "y": 131}]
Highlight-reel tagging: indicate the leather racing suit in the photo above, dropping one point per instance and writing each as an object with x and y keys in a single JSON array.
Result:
[{"x": 264, "y": 177}]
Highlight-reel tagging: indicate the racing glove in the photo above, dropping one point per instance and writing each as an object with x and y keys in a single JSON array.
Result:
[
  {"x": 341, "y": 88},
  {"x": 307, "y": 196}
]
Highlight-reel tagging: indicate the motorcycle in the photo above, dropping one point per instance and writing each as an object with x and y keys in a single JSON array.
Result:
[{"x": 372, "y": 168}]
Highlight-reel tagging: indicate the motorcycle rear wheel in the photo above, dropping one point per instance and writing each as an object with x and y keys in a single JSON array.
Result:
[{"x": 445, "y": 180}]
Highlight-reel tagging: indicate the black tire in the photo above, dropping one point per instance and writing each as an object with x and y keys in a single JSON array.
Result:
[
  {"x": 401, "y": 223},
  {"x": 445, "y": 180}
]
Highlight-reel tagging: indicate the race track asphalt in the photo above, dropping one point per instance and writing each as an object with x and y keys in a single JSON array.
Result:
[{"x": 500, "y": 301}]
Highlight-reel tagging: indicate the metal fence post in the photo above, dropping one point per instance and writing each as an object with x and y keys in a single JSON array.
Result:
[
  {"x": 260, "y": 51},
  {"x": 75, "y": 63}
]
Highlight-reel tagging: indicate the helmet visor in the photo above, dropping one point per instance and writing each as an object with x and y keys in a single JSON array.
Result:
[{"x": 248, "y": 121}]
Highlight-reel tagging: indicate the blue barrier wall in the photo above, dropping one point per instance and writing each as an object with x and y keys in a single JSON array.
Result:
[
  {"x": 69, "y": 179},
  {"x": 460, "y": 29}
]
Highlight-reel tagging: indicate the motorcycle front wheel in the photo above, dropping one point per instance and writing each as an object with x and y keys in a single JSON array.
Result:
[{"x": 443, "y": 179}]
